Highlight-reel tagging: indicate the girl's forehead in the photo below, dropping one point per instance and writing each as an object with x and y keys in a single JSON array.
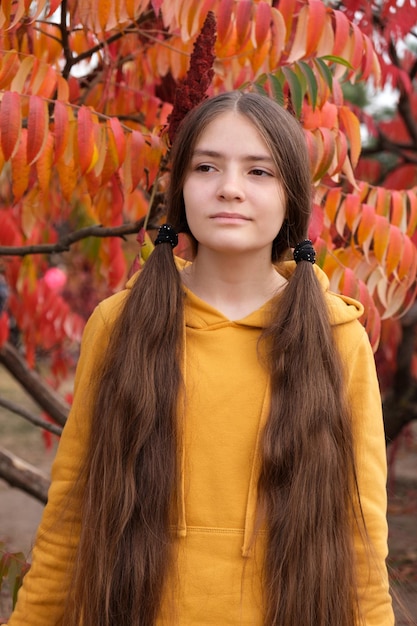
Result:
[{"x": 231, "y": 130}]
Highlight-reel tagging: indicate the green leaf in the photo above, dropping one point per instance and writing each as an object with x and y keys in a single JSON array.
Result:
[
  {"x": 312, "y": 88},
  {"x": 260, "y": 89},
  {"x": 325, "y": 72},
  {"x": 295, "y": 89},
  {"x": 335, "y": 59},
  {"x": 276, "y": 88}
]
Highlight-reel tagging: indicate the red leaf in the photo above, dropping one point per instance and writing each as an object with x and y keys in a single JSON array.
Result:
[
  {"x": 243, "y": 21},
  {"x": 262, "y": 22},
  {"x": 316, "y": 19},
  {"x": 61, "y": 128},
  {"x": 86, "y": 143},
  {"x": 10, "y": 123},
  {"x": 342, "y": 29},
  {"x": 4, "y": 328},
  {"x": 316, "y": 223},
  {"x": 119, "y": 138},
  {"x": 224, "y": 20},
  {"x": 37, "y": 127}
]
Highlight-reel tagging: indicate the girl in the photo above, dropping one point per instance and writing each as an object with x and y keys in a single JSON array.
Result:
[{"x": 224, "y": 459}]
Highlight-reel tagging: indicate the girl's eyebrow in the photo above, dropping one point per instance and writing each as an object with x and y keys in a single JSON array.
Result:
[{"x": 248, "y": 157}]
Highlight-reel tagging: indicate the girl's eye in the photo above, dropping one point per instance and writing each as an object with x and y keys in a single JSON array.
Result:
[
  {"x": 203, "y": 167},
  {"x": 258, "y": 172}
]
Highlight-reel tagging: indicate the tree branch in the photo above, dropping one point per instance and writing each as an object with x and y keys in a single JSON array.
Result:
[
  {"x": 18, "y": 473},
  {"x": 63, "y": 244},
  {"x": 71, "y": 60},
  {"x": 48, "y": 399},
  {"x": 33, "y": 419}
]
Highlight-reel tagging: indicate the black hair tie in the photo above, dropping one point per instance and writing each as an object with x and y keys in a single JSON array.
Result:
[
  {"x": 304, "y": 251},
  {"x": 166, "y": 234}
]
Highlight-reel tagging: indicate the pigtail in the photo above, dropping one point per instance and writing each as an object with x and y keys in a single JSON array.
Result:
[
  {"x": 131, "y": 471},
  {"x": 307, "y": 482}
]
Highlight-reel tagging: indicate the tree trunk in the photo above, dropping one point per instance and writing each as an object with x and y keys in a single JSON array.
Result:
[{"x": 18, "y": 473}]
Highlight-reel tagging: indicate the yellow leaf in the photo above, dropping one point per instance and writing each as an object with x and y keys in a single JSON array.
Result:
[
  {"x": 352, "y": 128},
  {"x": 19, "y": 81}
]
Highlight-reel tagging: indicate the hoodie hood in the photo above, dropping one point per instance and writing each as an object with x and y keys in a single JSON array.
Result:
[{"x": 342, "y": 309}]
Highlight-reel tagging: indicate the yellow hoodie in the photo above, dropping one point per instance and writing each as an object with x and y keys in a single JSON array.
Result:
[{"x": 217, "y": 577}]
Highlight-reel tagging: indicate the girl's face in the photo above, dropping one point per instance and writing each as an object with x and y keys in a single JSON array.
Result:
[{"x": 234, "y": 201}]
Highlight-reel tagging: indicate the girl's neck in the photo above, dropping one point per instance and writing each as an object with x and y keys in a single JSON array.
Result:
[{"x": 235, "y": 285}]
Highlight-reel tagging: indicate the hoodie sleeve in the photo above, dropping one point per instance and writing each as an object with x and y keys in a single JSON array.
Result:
[
  {"x": 42, "y": 597},
  {"x": 365, "y": 402}
]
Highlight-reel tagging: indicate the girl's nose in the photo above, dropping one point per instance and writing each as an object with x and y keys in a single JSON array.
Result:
[{"x": 230, "y": 187}]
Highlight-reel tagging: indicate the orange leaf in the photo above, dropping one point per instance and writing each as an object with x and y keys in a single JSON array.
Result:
[
  {"x": 10, "y": 123},
  {"x": 278, "y": 34},
  {"x": 153, "y": 156},
  {"x": 342, "y": 150},
  {"x": 298, "y": 47},
  {"x": 17, "y": 14},
  {"x": 38, "y": 123},
  {"x": 352, "y": 210},
  {"x": 9, "y": 67},
  {"x": 189, "y": 18},
  {"x": 104, "y": 10},
  {"x": 110, "y": 162},
  {"x": 358, "y": 45},
  {"x": 262, "y": 22},
  {"x": 352, "y": 128},
  {"x": 407, "y": 266},
  {"x": 332, "y": 203},
  {"x": 44, "y": 163},
  {"x": 19, "y": 81},
  {"x": 86, "y": 145},
  {"x": 381, "y": 237},
  {"x": 45, "y": 82},
  {"x": 134, "y": 162},
  {"x": 395, "y": 248},
  {"x": 382, "y": 201},
  {"x": 67, "y": 173},
  {"x": 315, "y": 24},
  {"x": 412, "y": 212},
  {"x": 366, "y": 225},
  {"x": 398, "y": 212},
  {"x": 327, "y": 145},
  {"x": 287, "y": 8},
  {"x": 368, "y": 59},
  {"x": 20, "y": 169}
]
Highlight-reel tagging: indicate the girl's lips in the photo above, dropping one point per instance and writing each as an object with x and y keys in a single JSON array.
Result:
[{"x": 230, "y": 216}]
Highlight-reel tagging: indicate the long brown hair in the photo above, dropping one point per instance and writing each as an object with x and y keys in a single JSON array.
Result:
[{"x": 306, "y": 484}]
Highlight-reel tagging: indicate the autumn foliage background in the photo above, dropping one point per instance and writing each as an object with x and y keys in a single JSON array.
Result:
[{"x": 90, "y": 94}]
